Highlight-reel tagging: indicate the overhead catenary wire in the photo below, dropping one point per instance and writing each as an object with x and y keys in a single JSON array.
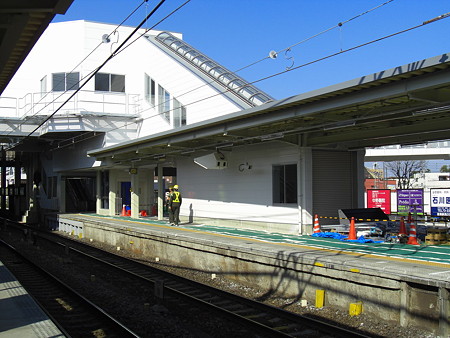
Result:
[
  {"x": 74, "y": 68},
  {"x": 97, "y": 69},
  {"x": 287, "y": 48},
  {"x": 308, "y": 63},
  {"x": 340, "y": 24},
  {"x": 155, "y": 25},
  {"x": 119, "y": 50}
]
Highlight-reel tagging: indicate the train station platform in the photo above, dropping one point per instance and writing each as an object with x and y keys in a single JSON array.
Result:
[
  {"x": 20, "y": 315},
  {"x": 407, "y": 284}
]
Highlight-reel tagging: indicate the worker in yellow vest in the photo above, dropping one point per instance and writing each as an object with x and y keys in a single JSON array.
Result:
[{"x": 175, "y": 203}]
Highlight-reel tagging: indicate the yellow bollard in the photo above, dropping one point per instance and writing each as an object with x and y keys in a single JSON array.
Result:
[
  {"x": 320, "y": 298},
  {"x": 355, "y": 309}
]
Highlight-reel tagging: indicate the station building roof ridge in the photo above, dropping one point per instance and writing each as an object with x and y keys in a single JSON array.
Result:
[
  {"x": 115, "y": 25},
  {"x": 319, "y": 96},
  {"x": 210, "y": 70}
]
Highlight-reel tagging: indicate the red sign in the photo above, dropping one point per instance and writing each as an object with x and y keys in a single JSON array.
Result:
[{"x": 379, "y": 199}]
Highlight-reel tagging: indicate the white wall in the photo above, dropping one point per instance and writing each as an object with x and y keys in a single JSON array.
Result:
[
  {"x": 77, "y": 46},
  {"x": 232, "y": 194}
]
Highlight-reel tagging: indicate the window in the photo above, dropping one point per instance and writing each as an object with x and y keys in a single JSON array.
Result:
[
  {"x": 284, "y": 183},
  {"x": 444, "y": 178},
  {"x": 65, "y": 81},
  {"x": 179, "y": 114},
  {"x": 110, "y": 83},
  {"x": 150, "y": 91},
  {"x": 164, "y": 103},
  {"x": 43, "y": 86}
]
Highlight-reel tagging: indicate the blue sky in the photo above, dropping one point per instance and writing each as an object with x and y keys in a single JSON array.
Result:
[{"x": 237, "y": 33}]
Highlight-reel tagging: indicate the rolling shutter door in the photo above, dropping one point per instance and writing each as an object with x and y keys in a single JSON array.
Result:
[{"x": 333, "y": 183}]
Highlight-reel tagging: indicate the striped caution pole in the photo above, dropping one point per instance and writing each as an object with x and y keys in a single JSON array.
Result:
[
  {"x": 412, "y": 239},
  {"x": 316, "y": 224}
]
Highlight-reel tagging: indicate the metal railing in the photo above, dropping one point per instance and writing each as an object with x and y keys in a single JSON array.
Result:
[{"x": 38, "y": 104}]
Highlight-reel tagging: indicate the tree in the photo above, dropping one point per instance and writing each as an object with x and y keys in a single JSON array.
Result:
[
  {"x": 404, "y": 171},
  {"x": 445, "y": 169}
]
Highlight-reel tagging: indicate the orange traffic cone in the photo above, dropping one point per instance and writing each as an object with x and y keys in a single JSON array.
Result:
[
  {"x": 124, "y": 211},
  {"x": 316, "y": 224},
  {"x": 352, "y": 232},
  {"x": 412, "y": 239},
  {"x": 402, "y": 230}
]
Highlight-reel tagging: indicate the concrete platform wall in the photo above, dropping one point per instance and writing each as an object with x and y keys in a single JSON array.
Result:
[{"x": 385, "y": 296}]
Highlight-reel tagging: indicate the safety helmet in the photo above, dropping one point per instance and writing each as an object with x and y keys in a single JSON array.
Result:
[{"x": 175, "y": 186}]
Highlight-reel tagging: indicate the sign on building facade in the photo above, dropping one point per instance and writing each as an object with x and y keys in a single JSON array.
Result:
[
  {"x": 377, "y": 198},
  {"x": 410, "y": 200},
  {"x": 440, "y": 202}
]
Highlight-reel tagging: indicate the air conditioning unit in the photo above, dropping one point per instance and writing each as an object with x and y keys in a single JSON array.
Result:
[{"x": 212, "y": 161}]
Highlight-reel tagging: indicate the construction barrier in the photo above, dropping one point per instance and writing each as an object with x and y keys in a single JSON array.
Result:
[
  {"x": 402, "y": 226},
  {"x": 412, "y": 232},
  {"x": 352, "y": 232},
  {"x": 124, "y": 211},
  {"x": 316, "y": 225}
]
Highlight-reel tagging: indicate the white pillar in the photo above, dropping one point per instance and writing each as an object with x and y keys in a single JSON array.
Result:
[
  {"x": 98, "y": 192},
  {"x": 304, "y": 190},
  {"x": 135, "y": 195},
  {"x": 160, "y": 193},
  {"x": 113, "y": 188}
]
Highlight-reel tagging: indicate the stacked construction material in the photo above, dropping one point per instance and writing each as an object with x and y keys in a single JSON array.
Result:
[{"x": 437, "y": 236}]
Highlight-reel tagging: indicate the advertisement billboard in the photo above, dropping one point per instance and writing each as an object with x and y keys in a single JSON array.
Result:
[
  {"x": 379, "y": 198},
  {"x": 440, "y": 202},
  {"x": 410, "y": 201}
]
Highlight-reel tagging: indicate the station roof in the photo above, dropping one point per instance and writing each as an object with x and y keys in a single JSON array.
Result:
[
  {"x": 405, "y": 104},
  {"x": 21, "y": 25}
]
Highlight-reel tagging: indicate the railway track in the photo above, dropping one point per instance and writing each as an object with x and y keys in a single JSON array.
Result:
[
  {"x": 254, "y": 318},
  {"x": 72, "y": 313}
]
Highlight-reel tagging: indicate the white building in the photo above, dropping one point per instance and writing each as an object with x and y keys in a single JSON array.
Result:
[
  {"x": 161, "y": 108},
  {"x": 60, "y": 105}
]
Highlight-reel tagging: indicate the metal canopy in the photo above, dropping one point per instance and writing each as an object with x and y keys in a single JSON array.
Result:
[
  {"x": 407, "y": 104},
  {"x": 247, "y": 92},
  {"x": 21, "y": 25}
]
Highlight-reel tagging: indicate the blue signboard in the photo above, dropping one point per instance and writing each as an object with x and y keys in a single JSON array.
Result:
[
  {"x": 440, "y": 202},
  {"x": 410, "y": 200}
]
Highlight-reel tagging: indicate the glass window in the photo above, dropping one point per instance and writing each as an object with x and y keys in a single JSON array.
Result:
[
  {"x": 44, "y": 85},
  {"x": 284, "y": 183},
  {"x": 58, "y": 82},
  {"x": 110, "y": 83},
  {"x": 118, "y": 83},
  {"x": 72, "y": 81},
  {"x": 65, "y": 81},
  {"x": 150, "y": 91},
  {"x": 164, "y": 103},
  {"x": 102, "y": 82},
  {"x": 179, "y": 114}
]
